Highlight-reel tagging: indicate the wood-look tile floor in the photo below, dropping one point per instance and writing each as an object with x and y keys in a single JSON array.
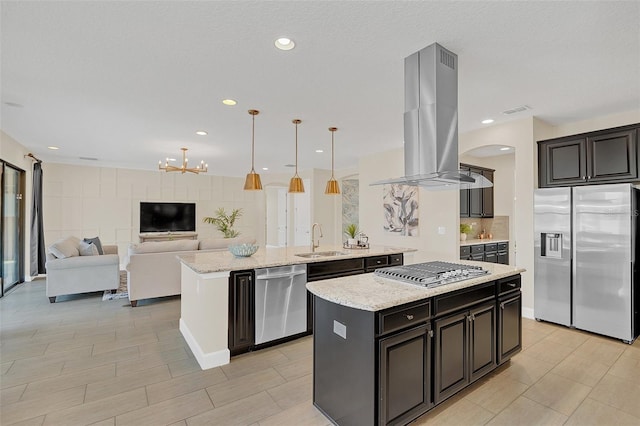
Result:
[{"x": 83, "y": 361}]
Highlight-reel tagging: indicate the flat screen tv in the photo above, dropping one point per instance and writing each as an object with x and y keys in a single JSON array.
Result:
[{"x": 167, "y": 217}]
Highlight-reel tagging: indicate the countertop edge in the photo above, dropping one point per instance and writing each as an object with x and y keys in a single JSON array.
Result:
[
  {"x": 207, "y": 262},
  {"x": 323, "y": 289}
]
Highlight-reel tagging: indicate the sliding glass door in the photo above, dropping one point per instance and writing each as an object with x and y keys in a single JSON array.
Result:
[{"x": 12, "y": 226}]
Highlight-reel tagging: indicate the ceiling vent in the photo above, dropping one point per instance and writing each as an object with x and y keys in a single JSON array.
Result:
[
  {"x": 88, "y": 158},
  {"x": 516, "y": 110}
]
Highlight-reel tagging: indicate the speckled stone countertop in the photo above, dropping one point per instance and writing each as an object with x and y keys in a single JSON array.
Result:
[
  {"x": 219, "y": 261},
  {"x": 369, "y": 292},
  {"x": 482, "y": 241}
]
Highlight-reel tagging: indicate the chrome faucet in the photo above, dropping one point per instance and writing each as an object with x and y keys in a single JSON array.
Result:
[{"x": 314, "y": 246}]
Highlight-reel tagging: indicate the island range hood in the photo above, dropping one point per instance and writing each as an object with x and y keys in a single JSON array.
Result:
[{"x": 431, "y": 124}]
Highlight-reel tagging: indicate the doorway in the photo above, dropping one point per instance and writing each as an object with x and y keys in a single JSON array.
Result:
[
  {"x": 288, "y": 216},
  {"x": 11, "y": 226}
]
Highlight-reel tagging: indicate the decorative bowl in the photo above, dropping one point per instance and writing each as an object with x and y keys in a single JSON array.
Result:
[{"x": 243, "y": 250}]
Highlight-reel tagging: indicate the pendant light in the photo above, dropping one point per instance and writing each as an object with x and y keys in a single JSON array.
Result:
[
  {"x": 253, "y": 183},
  {"x": 332, "y": 185},
  {"x": 296, "y": 185}
]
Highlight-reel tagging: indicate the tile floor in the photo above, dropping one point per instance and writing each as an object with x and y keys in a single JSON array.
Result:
[{"x": 83, "y": 361}]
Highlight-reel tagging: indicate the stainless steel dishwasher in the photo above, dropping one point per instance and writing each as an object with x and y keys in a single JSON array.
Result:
[{"x": 281, "y": 302}]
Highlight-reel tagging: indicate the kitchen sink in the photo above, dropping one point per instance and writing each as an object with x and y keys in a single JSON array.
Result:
[{"x": 321, "y": 254}]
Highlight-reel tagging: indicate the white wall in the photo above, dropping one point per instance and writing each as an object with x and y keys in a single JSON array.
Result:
[
  {"x": 12, "y": 152},
  {"x": 436, "y": 209},
  {"x": 89, "y": 201},
  {"x": 599, "y": 123}
]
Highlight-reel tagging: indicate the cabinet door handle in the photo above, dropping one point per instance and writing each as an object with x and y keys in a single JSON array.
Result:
[
  {"x": 588, "y": 177},
  {"x": 584, "y": 178},
  {"x": 430, "y": 333},
  {"x": 502, "y": 305},
  {"x": 469, "y": 318},
  {"x": 409, "y": 316}
]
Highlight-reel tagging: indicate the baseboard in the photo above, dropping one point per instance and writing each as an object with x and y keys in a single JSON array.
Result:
[
  {"x": 528, "y": 313},
  {"x": 206, "y": 360}
]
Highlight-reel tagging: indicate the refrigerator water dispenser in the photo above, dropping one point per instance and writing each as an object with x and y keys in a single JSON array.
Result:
[{"x": 551, "y": 245}]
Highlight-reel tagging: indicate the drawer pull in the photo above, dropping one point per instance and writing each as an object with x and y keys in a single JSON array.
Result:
[
  {"x": 409, "y": 316},
  {"x": 379, "y": 262},
  {"x": 511, "y": 284}
]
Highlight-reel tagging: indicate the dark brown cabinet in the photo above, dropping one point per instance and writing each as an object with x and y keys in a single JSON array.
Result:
[
  {"x": 465, "y": 349},
  {"x": 464, "y": 197},
  {"x": 420, "y": 353},
  {"x": 241, "y": 311},
  {"x": 451, "y": 357},
  {"x": 482, "y": 347},
  {"x": 491, "y": 252},
  {"x": 477, "y": 202},
  {"x": 509, "y": 318},
  {"x": 405, "y": 375},
  {"x": 605, "y": 156}
]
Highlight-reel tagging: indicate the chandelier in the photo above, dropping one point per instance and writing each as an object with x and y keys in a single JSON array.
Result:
[{"x": 202, "y": 167}]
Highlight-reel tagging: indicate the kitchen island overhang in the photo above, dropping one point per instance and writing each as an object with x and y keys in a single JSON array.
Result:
[
  {"x": 205, "y": 282},
  {"x": 386, "y": 352}
]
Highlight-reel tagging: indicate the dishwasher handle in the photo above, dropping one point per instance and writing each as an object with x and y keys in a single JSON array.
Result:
[{"x": 281, "y": 275}]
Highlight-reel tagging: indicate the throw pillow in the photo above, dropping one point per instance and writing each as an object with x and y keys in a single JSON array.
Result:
[
  {"x": 95, "y": 241},
  {"x": 66, "y": 247},
  {"x": 88, "y": 249}
]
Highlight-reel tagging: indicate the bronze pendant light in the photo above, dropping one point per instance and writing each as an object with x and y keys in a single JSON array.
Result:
[
  {"x": 252, "y": 182},
  {"x": 296, "y": 185},
  {"x": 332, "y": 185}
]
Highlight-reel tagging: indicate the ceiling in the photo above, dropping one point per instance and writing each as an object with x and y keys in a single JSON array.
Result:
[{"x": 129, "y": 83}]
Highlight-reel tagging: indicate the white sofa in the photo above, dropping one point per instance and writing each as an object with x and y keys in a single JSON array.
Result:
[
  {"x": 153, "y": 268},
  {"x": 70, "y": 273}
]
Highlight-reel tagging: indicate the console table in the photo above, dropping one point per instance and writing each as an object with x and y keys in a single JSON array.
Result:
[{"x": 167, "y": 236}]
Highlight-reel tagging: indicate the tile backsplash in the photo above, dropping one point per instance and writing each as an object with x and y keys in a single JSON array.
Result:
[{"x": 497, "y": 226}]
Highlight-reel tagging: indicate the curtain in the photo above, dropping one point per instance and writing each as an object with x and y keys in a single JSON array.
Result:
[{"x": 38, "y": 254}]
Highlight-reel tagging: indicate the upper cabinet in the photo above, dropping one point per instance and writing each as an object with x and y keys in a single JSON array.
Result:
[
  {"x": 477, "y": 202},
  {"x": 605, "y": 156}
]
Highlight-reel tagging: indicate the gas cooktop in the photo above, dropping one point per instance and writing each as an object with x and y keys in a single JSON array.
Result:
[{"x": 431, "y": 274}]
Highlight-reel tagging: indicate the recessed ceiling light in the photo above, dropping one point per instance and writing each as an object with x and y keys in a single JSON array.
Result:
[
  {"x": 53, "y": 147},
  {"x": 229, "y": 102},
  {"x": 284, "y": 43},
  {"x": 487, "y": 121},
  {"x": 265, "y": 168},
  {"x": 505, "y": 148},
  {"x": 319, "y": 150},
  {"x": 201, "y": 133}
]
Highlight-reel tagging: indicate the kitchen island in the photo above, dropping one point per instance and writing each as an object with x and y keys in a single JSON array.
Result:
[
  {"x": 386, "y": 352},
  {"x": 217, "y": 291}
]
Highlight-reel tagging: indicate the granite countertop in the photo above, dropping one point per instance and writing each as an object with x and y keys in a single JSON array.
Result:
[
  {"x": 482, "y": 241},
  {"x": 219, "y": 261},
  {"x": 369, "y": 292}
]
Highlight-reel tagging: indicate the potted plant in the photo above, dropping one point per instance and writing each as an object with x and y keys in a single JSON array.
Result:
[
  {"x": 464, "y": 230},
  {"x": 351, "y": 231},
  {"x": 224, "y": 222}
]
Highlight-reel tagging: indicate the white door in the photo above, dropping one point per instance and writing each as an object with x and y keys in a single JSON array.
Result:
[
  {"x": 302, "y": 216},
  {"x": 276, "y": 220}
]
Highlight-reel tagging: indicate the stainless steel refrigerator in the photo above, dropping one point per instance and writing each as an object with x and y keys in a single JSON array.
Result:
[{"x": 585, "y": 258}]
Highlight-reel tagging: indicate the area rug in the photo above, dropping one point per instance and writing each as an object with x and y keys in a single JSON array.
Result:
[{"x": 121, "y": 293}]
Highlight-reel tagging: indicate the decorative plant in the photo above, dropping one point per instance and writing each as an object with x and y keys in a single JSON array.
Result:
[
  {"x": 351, "y": 230},
  {"x": 224, "y": 222},
  {"x": 465, "y": 228}
]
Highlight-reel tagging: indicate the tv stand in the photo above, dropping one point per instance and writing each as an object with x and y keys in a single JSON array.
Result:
[{"x": 167, "y": 236}]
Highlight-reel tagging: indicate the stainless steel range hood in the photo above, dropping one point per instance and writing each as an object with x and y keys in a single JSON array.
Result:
[{"x": 431, "y": 123}]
